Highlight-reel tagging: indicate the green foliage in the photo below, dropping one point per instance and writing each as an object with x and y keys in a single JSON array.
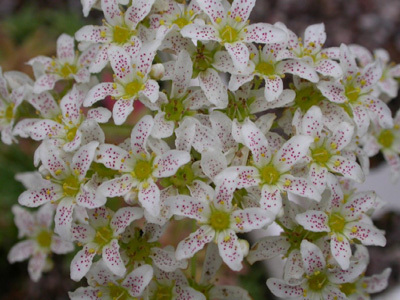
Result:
[
  {"x": 12, "y": 161},
  {"x": 31, "y": 18}
]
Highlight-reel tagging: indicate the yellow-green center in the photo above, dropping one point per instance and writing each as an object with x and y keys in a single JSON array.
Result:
[
  {"x": 138, "y": 249},
  {"x": 348, "y": 288},
  {"x": 317, "y": 281},
  {"x": 143, "y": 169},
  {"x": 164, "y": 292},
  {"x": 9, "y": 112},
  {"x": 265, "y": 68},
  {"x": 352, "y": 93},
  {"x": 103, "y": 236},
  {"x": 122, "y": 35},
  {"x": 320, "y": 155},
  {"x": 202, "y": 59},
  {"x": 386, "y": 138},
  {"x": 336, "y": 222},
  {"x": 44, "y": 239},
  {"x": 181, "y": 22},
  {"x": 133, "y": 88},
  {"x": 71, "y": 133},
  {"x": 220, "y": 220},
  {"x": 71, "y": 186},
  {"x": 270, "y": 175},
  {"x": 118, "y": 292},
  {"x": 228, "y": 34},
  {"x": 66, "y": 70},
  {"x": 307, "y": 97}
]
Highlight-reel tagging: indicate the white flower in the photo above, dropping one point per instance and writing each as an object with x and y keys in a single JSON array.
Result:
[
  {"x": 388, "y": 142},
  {"x": 345, "y": 218},
  {"x": 139, "y": 169},
  {"x": 11, "y": 96},
  {"x": 271, "y": 170},
  {"x": 310, "y": 50},
  {"x": 100, "y": 236},
  {"x": 328, "y": 149},
  {"x": 119, "y": 29},
  {"x": 231, "y": 29},
  {"x": 131, "y": 82},
  {"x": 65, "y": 185},
  {"x": 272, "y": 69},
  {"x": 70, "y": 128},
  {"x": 41, "y": 242},
  {"x": 354, "y": 90},
  {"x": 219, "y": 220},
  {"x": 320, "y": 280},
  {"x": 66, "y": 66},
  {"x": 103, "y": 285}
]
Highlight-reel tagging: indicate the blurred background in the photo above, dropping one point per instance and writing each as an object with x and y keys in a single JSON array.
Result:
[{"x": 30, "y": 28}]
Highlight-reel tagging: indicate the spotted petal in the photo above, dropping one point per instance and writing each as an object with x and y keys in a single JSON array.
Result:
[
  {"x": 313, "y": 258},
  {"x": 137, "y": 280},
  {"x": 99, "y": 92},
  {"x": 292, "y": 152},
  {"x": 214, "y": 9},
  {"x": 239, "y": 54},
  {"x": 21, "y": 251},
  {"x": 140, "y": 134},
  {"x": 82, "y": 261},
  {"x": 366, "y": 233},
  {"x": 264, "y": 33},
  {"x": 271, "y": 199},
  {"x": 121, "y": 110},
  {"x": 255, "y": 140},
  {"x": 117, "y": 187},
  {"x": 333, "y": 91},
  {"x": 36, "y": 265},
  {"x": 268, "y": 248},
  {"x": 230, "y": 249},
  {"x": 346, "y": 167},
  {"x": 66, "y": 48},
  {"x": 149, "y": 197},
  {"x": 200, "y": 32},
  {"x": 169, "y": 162},
  {"x": 282, "y": 289},
  {"x": 314, "y": 220},
  {"x": 112, "y": 258},
  {"x": 250, "y": 218},
  {"x": 214, "y": 88},
  {"x": 194, "y": 242},
  {"x": 341, "y": 250},
  {"x": 137, "y": 11},
  {"x": 123, "y": 217}
]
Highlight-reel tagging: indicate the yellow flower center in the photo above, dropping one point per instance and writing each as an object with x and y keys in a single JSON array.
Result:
[
  {"x": 121, "y": 35},
  {"x": 181, "y": 22},
  {"x": 270, "y": 175},
  {"x": 44, "y": 239},
  {"x": 9, "y": 113},
  {"x": 118, "y": 293},
  {"x": 337, "y": 222},
  {"x": 71, "y": 186},
  {"x": 352, "y": 93},
  {"x": 103, "y": 236},
  {"x": 133, "y": 88},
  {"x": 220, "y": 220},
  {"x": 164, "y": 292},
  {"x": 143, "y": 169},
  {"x": 317, "y": 281},
  {"x": 265, "y": 68},
  {"x": 228, "y": 34},
  {"x": 320, "y": 155},
  {"x": 307, "y": 97},
  {"x": 348, "y": 288},
  {"x": 71, "y": 133},
  {"x": 66, "y": 70},
  {"x": 386, "y": 138}
]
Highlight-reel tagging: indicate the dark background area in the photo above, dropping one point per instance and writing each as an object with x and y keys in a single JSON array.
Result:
[{"x": 30, "y": 28}]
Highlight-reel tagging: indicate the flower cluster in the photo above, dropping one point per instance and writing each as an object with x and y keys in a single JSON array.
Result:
[{"x": 247, "y": 125}]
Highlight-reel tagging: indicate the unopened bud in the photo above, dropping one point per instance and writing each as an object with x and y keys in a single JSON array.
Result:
[{"x": 157, "y": 71}]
